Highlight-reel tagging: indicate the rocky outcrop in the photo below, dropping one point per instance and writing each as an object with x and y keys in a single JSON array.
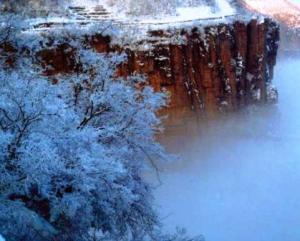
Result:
[
  {"x": 208, "y": 69},
  {"x": 221, "y": 70}
]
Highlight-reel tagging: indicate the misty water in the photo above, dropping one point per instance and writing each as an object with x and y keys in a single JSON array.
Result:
[{"x": 239, "y": 180}]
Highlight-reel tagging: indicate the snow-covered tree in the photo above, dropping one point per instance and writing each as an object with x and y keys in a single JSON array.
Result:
[
  {"x": 57, "y": 175},
  {"x": 101, "y": 99},
  {"x": 71, "y": 153}
]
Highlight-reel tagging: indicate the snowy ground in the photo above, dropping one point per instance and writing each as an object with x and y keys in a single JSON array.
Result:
[
  {"x": 240, "y": 180},
  {"x": 183, "y": 12},
  {"x": 192, "y": 13}
]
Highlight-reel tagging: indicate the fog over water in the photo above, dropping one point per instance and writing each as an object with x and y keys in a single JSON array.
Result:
[{"x": 240, "y": 179}]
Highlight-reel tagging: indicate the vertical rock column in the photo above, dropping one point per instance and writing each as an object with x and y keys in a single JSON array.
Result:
[{"x": 216, "y": 69}]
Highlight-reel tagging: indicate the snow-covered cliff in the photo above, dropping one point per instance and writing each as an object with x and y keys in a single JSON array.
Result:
[{"x": 210, "y": 62}]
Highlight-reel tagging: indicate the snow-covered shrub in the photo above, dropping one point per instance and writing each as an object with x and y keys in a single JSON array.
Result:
[
  {"x": 62, "y": 171},
  {"x": 71, "y": 153},
  {"x": 70, "y": 166}
]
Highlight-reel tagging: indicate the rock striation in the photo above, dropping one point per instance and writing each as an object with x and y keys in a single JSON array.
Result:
[{"x": 207, "y": 70}]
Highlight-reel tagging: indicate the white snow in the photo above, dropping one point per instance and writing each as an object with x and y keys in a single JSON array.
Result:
[
  {"x": 240, "y": 178},
  {"x": 225, "y": 7},
  {"x": 86, "y": 3},
  {"x": 182, "y": 13},
  {"x": 192, "y": 13}
]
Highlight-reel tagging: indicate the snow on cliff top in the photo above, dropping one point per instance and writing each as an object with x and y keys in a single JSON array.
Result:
[
  {"x": 194, "y": 13},
  {"x": 93, "y": 11},
  {"x": 182, "y": 12},
  {"x": 93, "y": 16}
]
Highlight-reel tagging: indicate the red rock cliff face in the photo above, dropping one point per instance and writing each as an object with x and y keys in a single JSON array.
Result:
[{"x": 216, "y": 69}]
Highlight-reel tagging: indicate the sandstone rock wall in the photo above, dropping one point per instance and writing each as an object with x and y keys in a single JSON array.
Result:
[{"x": 216, "y": 69}]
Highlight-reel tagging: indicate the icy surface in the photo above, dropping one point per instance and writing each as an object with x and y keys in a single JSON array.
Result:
[{"x": 239, "y": 180}]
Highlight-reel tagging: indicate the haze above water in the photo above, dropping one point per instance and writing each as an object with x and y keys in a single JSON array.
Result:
[{"x": 240, "y": 179}]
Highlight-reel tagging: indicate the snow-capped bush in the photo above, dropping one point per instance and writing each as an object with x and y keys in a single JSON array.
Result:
[
  {"x": 74, "y": 171},
  {"x": 71, "y": 153}
]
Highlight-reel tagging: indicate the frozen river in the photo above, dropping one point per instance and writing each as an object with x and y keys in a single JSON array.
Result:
[{"x": 240, "y": 181}]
